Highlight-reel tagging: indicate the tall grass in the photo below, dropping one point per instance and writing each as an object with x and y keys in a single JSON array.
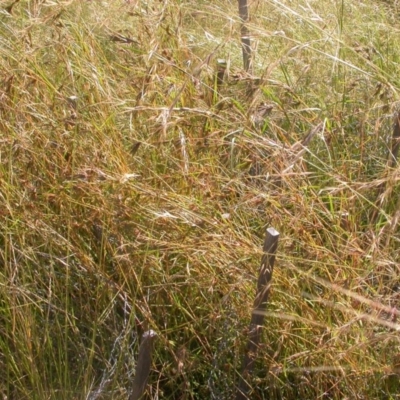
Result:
[{"x": 135, "y": 194}]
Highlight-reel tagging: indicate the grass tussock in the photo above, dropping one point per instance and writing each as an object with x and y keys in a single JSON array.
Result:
[{"x": 136, "y": 189}]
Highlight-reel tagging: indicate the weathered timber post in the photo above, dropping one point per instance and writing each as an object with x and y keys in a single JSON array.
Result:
[
  {"x": 143, "y": 365},
  {"x": 395, "y": 140},
  {"x": 221, "y": 69},
  {"x": 245, "y": 34},
  {"x": 257, "y": 317}
]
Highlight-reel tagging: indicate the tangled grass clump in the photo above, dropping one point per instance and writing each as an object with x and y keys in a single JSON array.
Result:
[{"x": 136, "y": 189}]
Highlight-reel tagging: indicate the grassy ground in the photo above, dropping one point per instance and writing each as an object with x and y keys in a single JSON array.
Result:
[{"x": 135, "y": 193}]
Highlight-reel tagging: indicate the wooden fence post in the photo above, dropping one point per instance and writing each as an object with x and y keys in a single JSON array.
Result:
[
  {"x": 257, "y": 317},
  {"x": 143, "y": 365},
  {"x": 245, "y": 34},
  {"x": 394, "y": 151}
]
